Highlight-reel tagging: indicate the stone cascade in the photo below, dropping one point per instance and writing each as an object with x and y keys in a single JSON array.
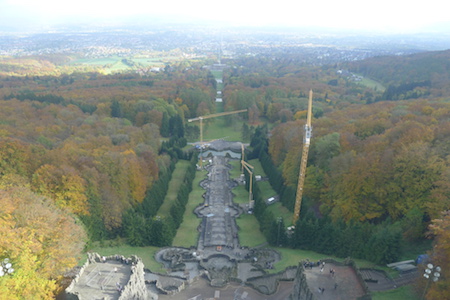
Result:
[{"x": 219, "y": 255}]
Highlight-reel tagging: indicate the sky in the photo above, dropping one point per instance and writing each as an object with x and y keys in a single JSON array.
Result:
[{"x": 380, "y": 16}]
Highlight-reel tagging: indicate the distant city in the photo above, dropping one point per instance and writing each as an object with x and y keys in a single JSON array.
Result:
[{"x": 315, "y": 47}]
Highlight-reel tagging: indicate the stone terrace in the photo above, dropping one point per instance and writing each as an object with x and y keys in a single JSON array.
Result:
[{"x": 103, "y": 279}]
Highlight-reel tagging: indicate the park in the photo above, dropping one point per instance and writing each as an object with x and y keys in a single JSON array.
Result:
[{"x": 218, "y": 252}]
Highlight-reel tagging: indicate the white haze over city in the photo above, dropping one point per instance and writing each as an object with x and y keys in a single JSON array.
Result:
[{"x": 385, "y": 16}]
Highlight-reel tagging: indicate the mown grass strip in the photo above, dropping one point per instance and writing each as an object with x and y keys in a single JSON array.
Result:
[
  {"x": 174, "y": 185},
  {"x": 404, "y": 292},
  {"x": 187, "y": 234},
  {"x": 249, "y": 234},
  {"x": 217, "y": 128},
  {"x": 267, "y": 191}
]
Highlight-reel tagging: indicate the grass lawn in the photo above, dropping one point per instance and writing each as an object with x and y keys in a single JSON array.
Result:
[
  {"x": 147, "y": 255},
  {"x": 219, "y": 107},
  {"x": 267, "y": 191},
  {"x": 372, "y": 84},
  {"x": 118, "y": 66},
  {"x": 218, "y": 74},
  {"x": 147, "y": 61},
  {"x": 235, "y": 171},
  {"x": 217, "y": 128},
  {"x": 115, "y": 64},
  {"x": 174, "y": 186},
  {"x": 249, "y": 234},
  {"x": 279, "y": 210},
  {"x": 258, "y": 169},
  {"x": 291, "y": 257},
  {"x": 222, "y": 128},
  {"x": 187, "y": 234},
  {"x": 96, "y": 61},
  {"x": 241, "y": 195},
  {"x": 404, "y": 292},
  {"x": 265, "y": 187}
]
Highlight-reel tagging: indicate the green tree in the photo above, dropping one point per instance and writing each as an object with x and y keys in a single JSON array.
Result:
[
  {"x": 324, "y": 149},
  {"x": 385, "y": 245},
  {"x": 116, "y": 109},
  {"x": 165, "y": 127},
  {"x": 161, "y": 232},
  {"x": 245, "y": 132},
  {"x": 176, "y": 127},
  {"x": 134, "y": 226}
]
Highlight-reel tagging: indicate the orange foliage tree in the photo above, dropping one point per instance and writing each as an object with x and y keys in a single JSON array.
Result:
[
  {"x": 41, "y": 241},
  {"x": 440, "y": 256},
  {"x": 64, "y": 185},
  {"x": 372, "y": 161}
]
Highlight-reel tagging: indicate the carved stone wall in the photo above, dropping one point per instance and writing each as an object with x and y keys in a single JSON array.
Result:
[
  {"x": 135, "y": 288},
  {"x": 301, "y": 290},
  {"x": 70, "y": 295}
]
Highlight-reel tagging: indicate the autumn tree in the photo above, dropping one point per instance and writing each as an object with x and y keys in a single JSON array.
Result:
[
  {"x": 41, "y": 240},
  {"x": 136, "y": 180},
  {"x": 64, "y": 185},
  {"x": 440, "y": 228},
  {"x": 416, "y": 171},
  {"x": 14, "y": 157}
]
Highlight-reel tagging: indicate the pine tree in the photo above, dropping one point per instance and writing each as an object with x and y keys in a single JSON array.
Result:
[
  {"x": 116, "y": 109},
  {"x": 164, "y": 130}
]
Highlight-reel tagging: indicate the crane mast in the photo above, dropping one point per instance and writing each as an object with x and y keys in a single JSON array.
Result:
[
  {"x": 304, "y": 161},
  {"x": 249, "y": 169}
]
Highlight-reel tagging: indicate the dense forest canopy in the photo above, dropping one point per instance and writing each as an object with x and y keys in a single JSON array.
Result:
[
  {"x": 373, "y": 162},
  {"x": 412, "y": 76},
  {"x": 92, "y": 141},
  {"x": 91, "y": 146},
  {"x": 93, "y": 149}
]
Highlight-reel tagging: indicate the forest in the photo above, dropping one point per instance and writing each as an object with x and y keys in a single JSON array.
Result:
[{"x": 94, "y": 153}]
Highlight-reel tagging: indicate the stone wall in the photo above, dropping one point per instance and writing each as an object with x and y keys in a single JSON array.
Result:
[
  {"x": 135, "y": 289},
  {"x": 301, "y": 289},
  {"x": 70, "y": 295},
  {"x": 170, "y": 285}
]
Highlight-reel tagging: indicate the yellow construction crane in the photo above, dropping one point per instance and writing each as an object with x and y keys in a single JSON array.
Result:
[
  {"x": 209, "y": 117},
  {"x": 242, "y": 156},
  {"x": 249, "y": 169},
  {"x": 304, "y": 160}
]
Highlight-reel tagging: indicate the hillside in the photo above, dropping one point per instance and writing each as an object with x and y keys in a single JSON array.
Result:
[
  {"x": 426, "y": 71},
  {"x": 96, "y": 145}
]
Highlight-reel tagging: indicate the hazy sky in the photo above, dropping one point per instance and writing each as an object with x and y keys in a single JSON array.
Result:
[{"x": 381, "y": 15}]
